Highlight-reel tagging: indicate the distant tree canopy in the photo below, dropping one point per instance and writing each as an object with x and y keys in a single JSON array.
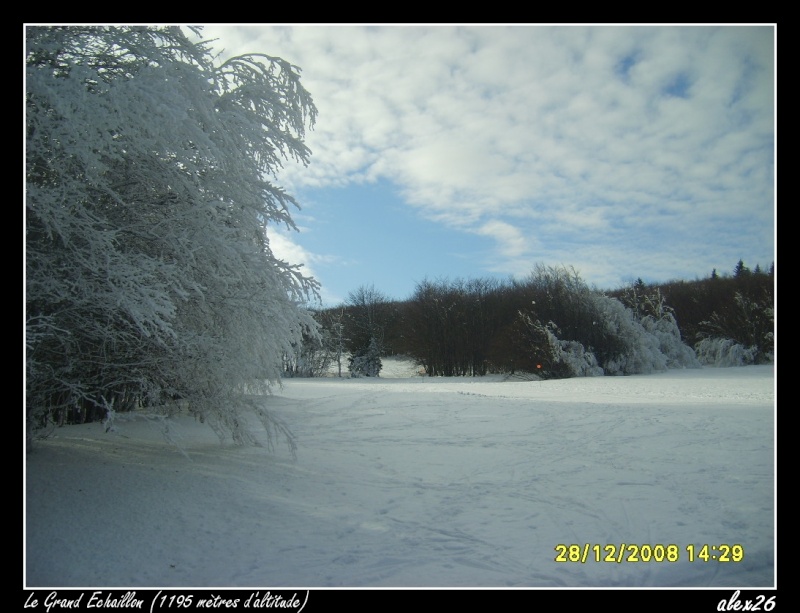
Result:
[
  {"x": 553, "y": 324},
  {"x": 149, "y": 276}
]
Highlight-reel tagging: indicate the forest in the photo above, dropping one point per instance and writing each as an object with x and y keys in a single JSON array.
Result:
[{"x": 551, "y": 324}]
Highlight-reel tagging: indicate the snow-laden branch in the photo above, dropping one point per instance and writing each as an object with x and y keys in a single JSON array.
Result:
[{"x": 149, "y": 189}]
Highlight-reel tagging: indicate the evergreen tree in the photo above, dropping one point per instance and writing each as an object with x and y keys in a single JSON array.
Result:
[{"x": 366, "y": 362}]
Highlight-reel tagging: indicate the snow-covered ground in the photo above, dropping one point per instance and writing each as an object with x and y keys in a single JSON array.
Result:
[{"x": 411, "y": 482}]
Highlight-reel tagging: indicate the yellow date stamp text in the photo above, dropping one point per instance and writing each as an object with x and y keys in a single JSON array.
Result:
[{"x": 635, "y": 553}]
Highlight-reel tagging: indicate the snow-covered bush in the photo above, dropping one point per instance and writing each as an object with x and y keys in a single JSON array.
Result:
[
  {"x": 367, "y": 361},
  {"x": 149, "y": 275},
  {"x": 724, "y": 352},
  {"x": 644, "y": 346},
  {"x": 749, "y": 323},
  {"x": 636, "y": 352},
  {"x": 590, "y": 333},
  {"x": 665, "y": 330},
  {"x": 548, "y": 357},
  {"x": 581, "y": 363}
]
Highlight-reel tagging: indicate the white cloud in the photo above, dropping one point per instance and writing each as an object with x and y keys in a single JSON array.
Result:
[
  {"x": 569, "y": 130},
  {"x": 511, "y": 241}
]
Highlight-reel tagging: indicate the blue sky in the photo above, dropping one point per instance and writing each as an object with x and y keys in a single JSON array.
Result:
[{"x": 481, "y": 151}]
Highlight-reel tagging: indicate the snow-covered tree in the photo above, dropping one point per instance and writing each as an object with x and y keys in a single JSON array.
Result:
[
  {"x": 549, "y": 357},
  {"x": 749, "y": 323},
  {"x": 366, "y": 362},
  {"x": 312, "y": 357},
  {"x": 648, "y": 307},
  {"x": 644, "y": 344},
  {"x": 149, "y": 187},
  {"x": 724, "y": 352}
]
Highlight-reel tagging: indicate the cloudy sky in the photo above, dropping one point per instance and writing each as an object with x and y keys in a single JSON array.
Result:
[{"x": 481, "y": 151}]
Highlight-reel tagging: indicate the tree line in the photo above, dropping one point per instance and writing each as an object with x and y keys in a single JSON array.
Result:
[{"x": 552, "y": 324}]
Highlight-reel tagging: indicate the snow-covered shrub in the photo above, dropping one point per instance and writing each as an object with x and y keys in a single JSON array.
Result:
[
  {"x": 724, "y": 352},
  {"x": 645, "y": 346},
  {"x": 367, "y": 361},
  {"x": 573, "y": 355},
  {"x": 550, "y": 358},
  {"x": 637, "y": 352},
  {"x": 670, "y": 344},
  {"x": 590, "y": 333},
  {"x": 749, "y": 322}
]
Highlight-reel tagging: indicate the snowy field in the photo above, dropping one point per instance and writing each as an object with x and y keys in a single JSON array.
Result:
[{"x": 416, "y": 482}]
